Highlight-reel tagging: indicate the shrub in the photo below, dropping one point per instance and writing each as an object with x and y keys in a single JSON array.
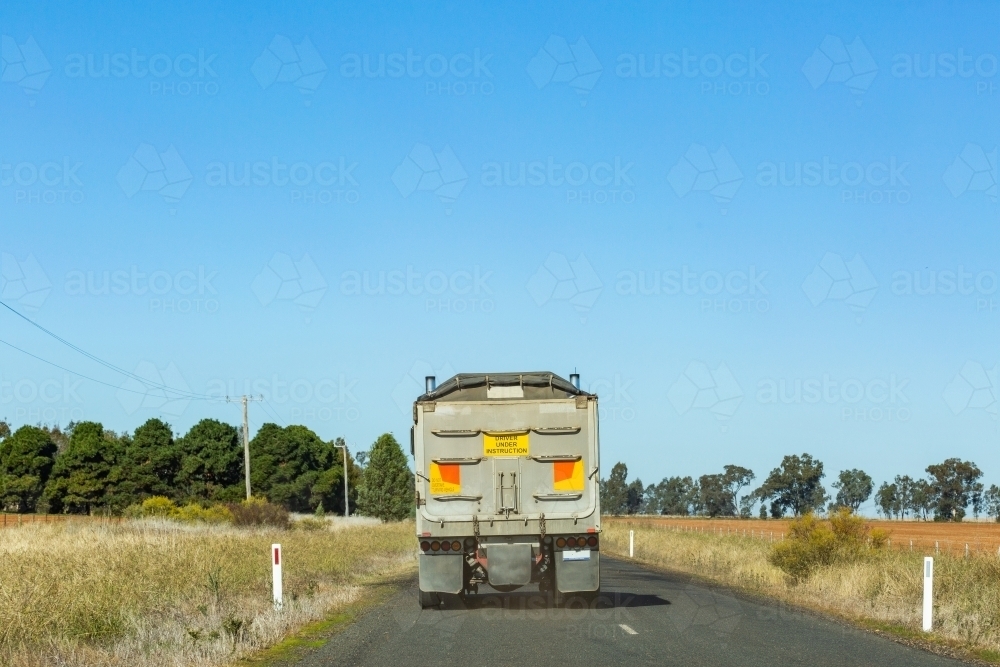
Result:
[
  {"x": 164, "y": 508},
  {"x": 809, "y": 545},
  {"x": 311, "y": 523},
  {"x": 255, "y": 511},
  {"x": 812, "y": 543},
  {"x": 193, "y": 512},
  {"x": 158, "y": 506}
]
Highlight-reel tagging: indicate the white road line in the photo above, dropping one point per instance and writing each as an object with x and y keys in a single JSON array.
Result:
[{"x": 627, "y": 629}]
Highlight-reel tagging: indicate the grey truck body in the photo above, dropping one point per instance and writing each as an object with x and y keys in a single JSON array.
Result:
[{"x": 506, "y": 465}]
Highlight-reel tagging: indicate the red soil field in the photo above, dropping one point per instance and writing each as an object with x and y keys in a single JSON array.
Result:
[{"x": 981, "y": 536}]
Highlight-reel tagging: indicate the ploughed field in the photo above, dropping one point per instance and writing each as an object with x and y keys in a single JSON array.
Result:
[{"x": 981, "y": 536}]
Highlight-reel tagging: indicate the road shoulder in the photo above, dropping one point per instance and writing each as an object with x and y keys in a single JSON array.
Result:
[{"x": 301, "y": 646}]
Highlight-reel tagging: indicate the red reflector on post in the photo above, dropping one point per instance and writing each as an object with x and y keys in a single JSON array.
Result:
[{"x": 277, "y": 556}]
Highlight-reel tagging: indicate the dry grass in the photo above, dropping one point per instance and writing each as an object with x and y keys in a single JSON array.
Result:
[
  {"x": 155, "y": 592},
  {"x": 886, "y": 586}
]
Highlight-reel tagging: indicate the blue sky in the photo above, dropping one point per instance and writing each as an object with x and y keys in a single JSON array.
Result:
[{"x": 239, "y": 171}]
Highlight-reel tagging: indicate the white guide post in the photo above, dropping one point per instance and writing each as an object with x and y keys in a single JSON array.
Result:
[
  {"x": 928, "y": 592},
  {"x": 631, "y": 543},
  {"x": 276, "y": 574}
]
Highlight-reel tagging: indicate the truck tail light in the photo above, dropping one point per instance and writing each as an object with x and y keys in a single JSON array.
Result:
[
  {"x": 592, "y": 541},
  {"x": 446, "y": 546},
  {"x": 435, "y": 545},
  {"x": 561, "y": 542},
  {"x": 425, "y": 546},
  {"x": 456, "y": 546}
]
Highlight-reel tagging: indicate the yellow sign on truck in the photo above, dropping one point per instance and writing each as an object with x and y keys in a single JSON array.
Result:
[{"x": 505, "y": 444}]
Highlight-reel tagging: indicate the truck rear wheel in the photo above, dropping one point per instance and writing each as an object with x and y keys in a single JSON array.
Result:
[{"x": 429, "y": 600}]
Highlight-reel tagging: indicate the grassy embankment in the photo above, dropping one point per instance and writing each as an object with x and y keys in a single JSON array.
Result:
[
  {"x": 883, "y": 590},
  {"x": 156, "y": 592}
]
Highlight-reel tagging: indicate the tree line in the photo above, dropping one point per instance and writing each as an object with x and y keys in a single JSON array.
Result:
[
  {"x": 795, "y": 487},
  {"x": 86, "y": 469}
]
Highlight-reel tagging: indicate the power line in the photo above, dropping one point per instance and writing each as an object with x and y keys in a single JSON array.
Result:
[
  {"x": 182, "y": 393},
  {"x": 273, "y": 411},
  {"x": 85, "y": 377}
]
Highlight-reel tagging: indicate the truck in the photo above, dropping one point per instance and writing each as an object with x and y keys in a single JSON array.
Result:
[{"x": 507, "y": 469}]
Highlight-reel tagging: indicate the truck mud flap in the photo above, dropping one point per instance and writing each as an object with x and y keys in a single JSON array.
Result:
[
  {"x": 509, "y": 564},
  {"x": 442, "y": 573},
  {"x": 578, "y": 576}
]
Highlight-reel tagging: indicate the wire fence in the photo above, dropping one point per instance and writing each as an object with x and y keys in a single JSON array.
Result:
[{"x": 15, "y": 520}]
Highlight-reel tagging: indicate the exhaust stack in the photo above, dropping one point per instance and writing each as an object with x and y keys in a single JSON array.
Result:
[
  {"x": 574, "y": 379},
  {"x": 430, "y": 384}
]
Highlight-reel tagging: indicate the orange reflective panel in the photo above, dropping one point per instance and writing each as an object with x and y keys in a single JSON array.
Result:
[
  {"x": 567, "y": 475},
  {"x": 445, "y": 478}
]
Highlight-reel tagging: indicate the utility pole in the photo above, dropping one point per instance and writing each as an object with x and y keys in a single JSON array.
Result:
[
  {"x": 347, "y": 505},
  {"x": 246, "y": 434}
]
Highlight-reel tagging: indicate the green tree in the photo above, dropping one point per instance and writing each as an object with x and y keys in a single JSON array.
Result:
[
  {"x": 285, "y": 464},
  {"x": 676, "y": 495},
  {"x": 977, "y": 498},
  {"x": 991, "y": 502},
  {"x": 650, "y": 502},
  {"x": 634, "y": 497},
  {"x": 795, "y": 485},
  {"x": 953, "y": 482},
  {"x": 716, "y": 496},
  {"x": 387, "y": 487},
  {"x": 26, "y": 460},
  {"x": 922, "y": 498},
  {"x": 735, "y": 478},
  {"x": 887, "y": 499},
  {"x": 614, "y": 491},
  {"x": 148, "y": 465},
  {"x": 210, "y": 463},
  {"x": 854, "y": 488},
  {"x": 4, "y": 430},
  {"x": 905, "y": 488},
  {"x": 80, "y": 476}
]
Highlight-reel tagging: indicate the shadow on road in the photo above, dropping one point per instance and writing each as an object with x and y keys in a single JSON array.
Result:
[{"x": 530, "y": 600}]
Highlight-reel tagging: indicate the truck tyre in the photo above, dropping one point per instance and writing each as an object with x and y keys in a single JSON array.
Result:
[{"x": 429, "y": 600}]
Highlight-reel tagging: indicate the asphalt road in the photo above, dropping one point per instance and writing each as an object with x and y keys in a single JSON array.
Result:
[{"x": 645, "y": 618}]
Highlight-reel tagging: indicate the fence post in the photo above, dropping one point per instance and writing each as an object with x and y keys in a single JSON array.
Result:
[
  {"x": 928, "y": 593},
  {"x": 911, "y": 545},
  {"x": 966, "y": 549},
  {"x": 276, "y": 575},
  {"x": 936, "y": 547},
  {"x": 631, "y": 543}
]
